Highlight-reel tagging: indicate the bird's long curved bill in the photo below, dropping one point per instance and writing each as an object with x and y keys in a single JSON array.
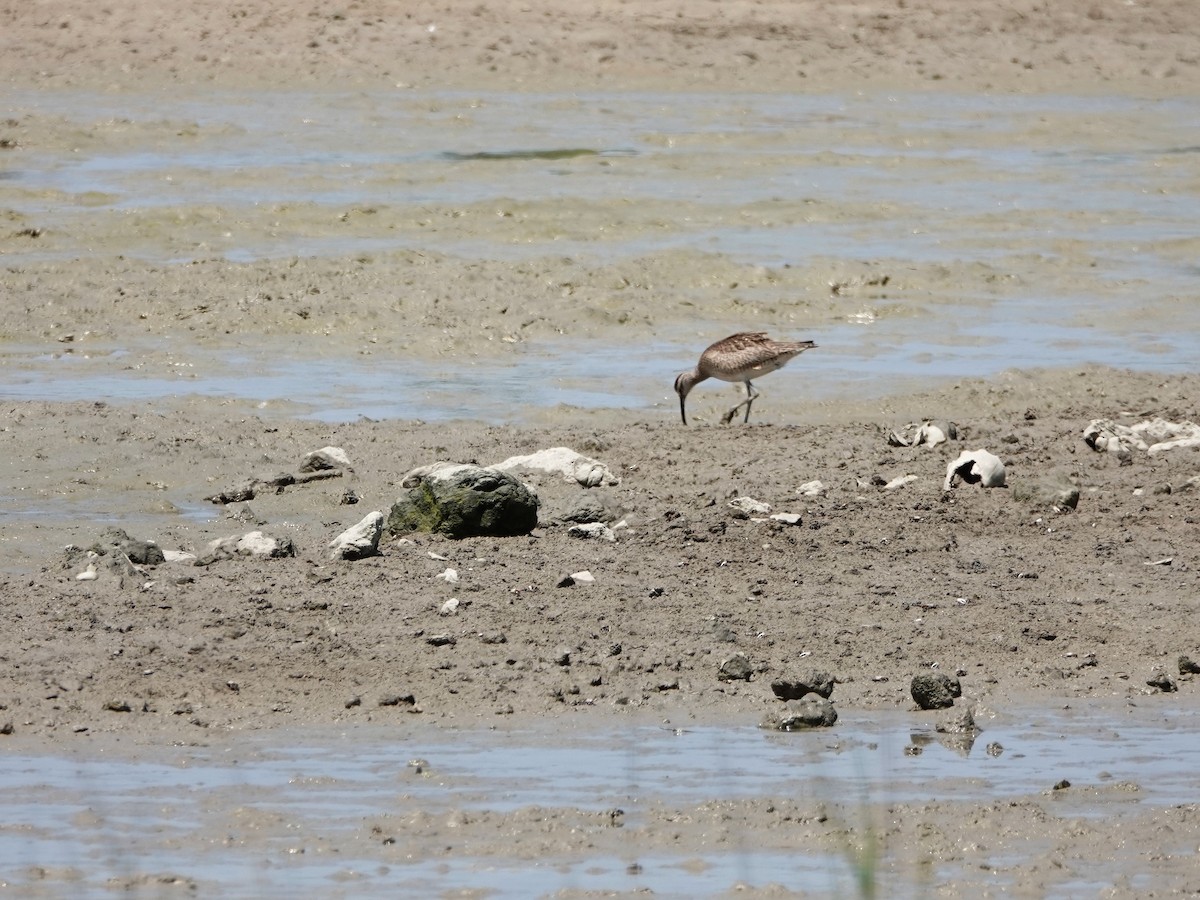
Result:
[{"x": 682, "y": 410}]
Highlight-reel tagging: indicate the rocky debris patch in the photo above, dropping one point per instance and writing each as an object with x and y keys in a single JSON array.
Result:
[
  {"x": 328, "y": 462},
  {"x": 252, "y": 543},
  {"x": 748, "y": 508},
  {"x": 593, "y": 531},
  {"x": 1163, "y": 682},
  {"x": 1152, "y": 436},
  {"x": 114, "y": 544},
  {"x": 705, "y": 602},
  {"x": 807, "y": 703},
  {"x": 115, "y": 553}
]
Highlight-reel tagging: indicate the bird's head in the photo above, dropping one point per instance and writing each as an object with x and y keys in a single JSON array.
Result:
[{"x": 684, "y": 382}]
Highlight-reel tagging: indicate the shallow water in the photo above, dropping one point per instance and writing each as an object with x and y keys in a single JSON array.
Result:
[
  {"x": 1107, "y": 186},
  {"x": 285, "y": 812}
]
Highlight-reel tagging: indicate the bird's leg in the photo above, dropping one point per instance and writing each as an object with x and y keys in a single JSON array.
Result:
[{"x": 751, "y": 396}]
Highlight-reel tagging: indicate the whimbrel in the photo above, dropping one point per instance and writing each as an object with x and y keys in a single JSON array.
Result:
[{"x": 739, "y": 357}]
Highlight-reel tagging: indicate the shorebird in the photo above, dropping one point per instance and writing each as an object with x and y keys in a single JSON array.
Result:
[{"x": 739, "y": 357}]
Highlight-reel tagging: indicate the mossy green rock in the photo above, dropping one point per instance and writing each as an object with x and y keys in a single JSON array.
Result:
[{"x": 465, "y": 501}]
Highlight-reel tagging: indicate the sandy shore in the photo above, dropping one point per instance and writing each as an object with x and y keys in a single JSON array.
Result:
[
  {"x": 1139, "y": 48},
  {"x": 1024, "y": 604}
]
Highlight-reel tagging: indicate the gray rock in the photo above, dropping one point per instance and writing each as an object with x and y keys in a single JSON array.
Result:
[
  {"x": 464, "y": 501},
  {"x": 587, "y": 508},
  {"x": 795, "y": 688},
  {"x": 735, "y": 668},
  {"x": 1057, "y": 494},
  {"x": 811, "y": 712},
  {"x": 935, "y": 690},
  {"x": 1188, "y": 667}
]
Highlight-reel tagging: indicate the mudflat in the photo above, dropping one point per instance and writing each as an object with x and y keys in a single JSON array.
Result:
[{"x": 1027, "y": 604}]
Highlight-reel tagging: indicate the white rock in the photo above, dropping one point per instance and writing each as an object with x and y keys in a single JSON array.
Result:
[
  {"x": 450, "y": 576},
  {"x": 438, "y": 471},
  {"x": 252, "y": 543},
  {"x": 1188, "y": 435},
  {"x": 811, "y": 489},
  {"x": 564, "y": 461},
  {"x": 584, "y": 577},
  {"x": 359, "y": 540},
  {"x": 178, "y": 555},
  {"x": 787, "y": 518},
  {"x": 975, "y": 467},
  {"x": 449, "y": 608},
  {"x": 750, "y": 505},
  {"x": 897, "y": 483},
  {"x": 88, "y": 574},
  {"x": 596, "y": 530},
  {"x": 326, "y": 458},
  {"x": 256, "y": 543}
]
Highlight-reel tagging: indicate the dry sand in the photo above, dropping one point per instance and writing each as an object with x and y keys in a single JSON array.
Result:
[{"x": 1027, "y": 605}]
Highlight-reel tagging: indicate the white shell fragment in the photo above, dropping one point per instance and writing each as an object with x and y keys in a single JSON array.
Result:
[
  {"x": 450, "y": 576},
  {"x": 787, "y": 518},
  {"x": 975, "y": 467},
  {"x": 563, "y": 461},
  {"x": 359, "y": 540},
  {"x": 811, "y": 489},
  {"x": 929, "y": 434},
  {"x": 88, "y": 574},
  {"x": 449, "y": 608},
  {"x": 1151, "y": 435},
  {"x": 750, "y": 506},
  {"x": 901, "y": 481}
]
